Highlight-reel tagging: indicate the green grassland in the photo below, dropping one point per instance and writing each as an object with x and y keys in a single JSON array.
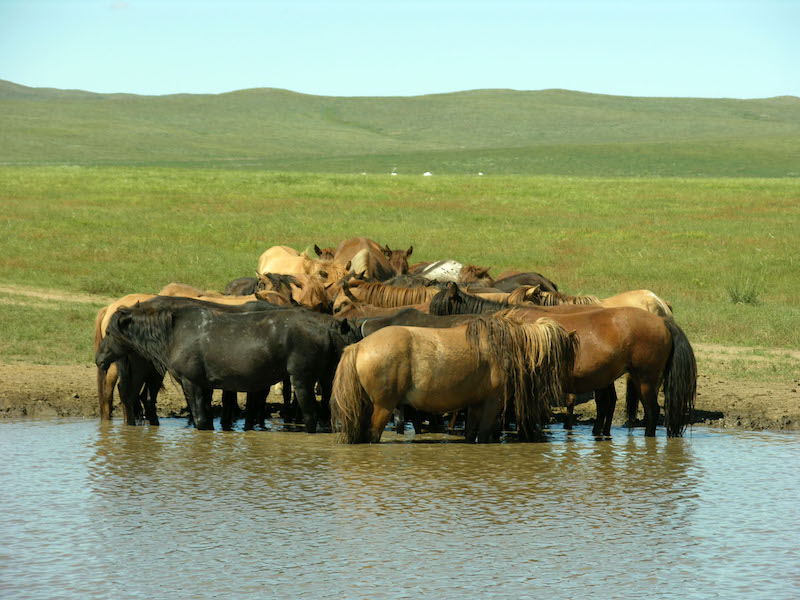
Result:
[
  {"x": 107, "y": 194},
  {"x": 114, "y": 230},
  {"x": 555, "y": 132}
]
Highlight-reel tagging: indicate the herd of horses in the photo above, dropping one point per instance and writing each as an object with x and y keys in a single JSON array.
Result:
[{"x": 377, "y": 338}]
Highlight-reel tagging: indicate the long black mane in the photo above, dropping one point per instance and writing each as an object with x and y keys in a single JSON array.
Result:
[{"x": 452, "y": 301}]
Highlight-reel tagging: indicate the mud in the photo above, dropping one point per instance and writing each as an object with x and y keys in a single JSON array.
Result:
[{"x": 30, "y": 390}]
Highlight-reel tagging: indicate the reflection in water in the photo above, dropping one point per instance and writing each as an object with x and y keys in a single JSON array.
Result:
[{"x": 112, "y": 511}]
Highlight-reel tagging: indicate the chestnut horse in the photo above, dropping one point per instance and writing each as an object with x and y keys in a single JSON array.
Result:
[
  {"x": 380, "y": 263},
  {"x": 614, "y": 341},
  {"x": 486, "y": 364},
  {"x": 379, "y": 294}
]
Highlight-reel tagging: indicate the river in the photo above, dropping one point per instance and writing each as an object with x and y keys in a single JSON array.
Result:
[{"x": 106, "y": 511}]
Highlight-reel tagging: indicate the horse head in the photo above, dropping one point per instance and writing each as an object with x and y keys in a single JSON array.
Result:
[
  {"x": 324, "y": 253},
  {"x": 398, "y": 259}
]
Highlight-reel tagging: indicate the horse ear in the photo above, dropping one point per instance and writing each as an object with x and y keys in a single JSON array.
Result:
[
  {"x": 317, "y": 250},
  {"x": 453, "y": 289},
  {"x": 344, "y": 327},
  {"x": 386, "y": 250},
  {"x": 348, "y": 265},
  {"x": 410, "y": 250}
]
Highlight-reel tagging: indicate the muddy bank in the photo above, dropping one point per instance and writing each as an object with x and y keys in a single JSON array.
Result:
[{"x": 71, "y": 391}]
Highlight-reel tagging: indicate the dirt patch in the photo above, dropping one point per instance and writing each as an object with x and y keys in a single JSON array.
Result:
[{"x": 71, "y": 391}]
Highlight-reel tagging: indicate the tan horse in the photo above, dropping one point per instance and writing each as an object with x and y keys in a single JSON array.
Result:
[
  {"x": 380, "y": 295},
  {"x": 487, "y": 364},
  {"x": 376, "y": 263},
  {"x": 644, "y": 299}
]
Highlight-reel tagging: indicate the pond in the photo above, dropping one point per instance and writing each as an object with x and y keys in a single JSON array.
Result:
[{"x": 99, "y": 510}]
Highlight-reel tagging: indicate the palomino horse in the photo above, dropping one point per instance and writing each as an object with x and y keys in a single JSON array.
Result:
[
  {"x": 487, "y": 364},
  {"x": 380, "y": 263},
  {"x": 614, "y": 341},
  {"x": 288, "y": 261},
  {"x": 644, "y": 299}
]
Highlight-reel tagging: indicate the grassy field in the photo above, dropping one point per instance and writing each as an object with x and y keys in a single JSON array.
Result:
[
  {"x": 556, "y": 132},
  {"x": 700, "y": 243}
]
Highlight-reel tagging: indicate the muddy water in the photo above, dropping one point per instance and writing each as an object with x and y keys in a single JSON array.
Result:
[{"x": 120, "y": 512}]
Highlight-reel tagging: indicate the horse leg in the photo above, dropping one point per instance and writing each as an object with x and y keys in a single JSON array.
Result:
[
  {"x": 250, "y": 412},
  {"x": 650, "y": 401},
  {"x": 486, "y": 421},
  {"x": 229, "y": 407},
  {"x": 106, "y": 380},
  {"x": 611, "y": 404},
  {"x": 129, "y": 385},
  {"x": 569, "y": 421},
  {"x": 325, "y": 388},
  {"x": 436, "y": 421},
  {"x": 451, "y": 428},
  {"x": 286, "y": 391},
  {"x": 399, "y": 420},
  {"x": 380, "y": 418},
  {"x": 304, "y": 390},
  {"x": 199, "y": 401},
  {"x": 153, "y": 381}
]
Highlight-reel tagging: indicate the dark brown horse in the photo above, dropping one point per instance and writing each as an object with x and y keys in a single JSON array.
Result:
[{"x": 615, "y": 341}]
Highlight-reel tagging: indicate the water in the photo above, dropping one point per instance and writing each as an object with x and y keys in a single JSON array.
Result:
[{"x": 98, "y": 511}]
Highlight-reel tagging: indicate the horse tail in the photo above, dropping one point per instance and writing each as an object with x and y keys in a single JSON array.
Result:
[
  {"x": 103, "y": 396},
  {"x": 350, "y": 404},
  {"x": 680, "y": 382}
]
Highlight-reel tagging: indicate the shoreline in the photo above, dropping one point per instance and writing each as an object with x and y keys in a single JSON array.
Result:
[{"x": 47, "y": 391}]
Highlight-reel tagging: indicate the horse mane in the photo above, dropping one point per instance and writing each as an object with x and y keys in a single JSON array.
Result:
[
  {"x": 407, "y": 280},
  {"x": 556, "y": 298},
  {"x": 452, "y": 301},
  {"x": 389, "y": 296},
  {"x": 360, "y": 264},
  {"x": 279, "y": 282},
  {"x": 149, "y": 333},
  {"x": 534, "y": 358},
  {"x": 520, "y": 295},
  {"x": 476, "y": 274}
]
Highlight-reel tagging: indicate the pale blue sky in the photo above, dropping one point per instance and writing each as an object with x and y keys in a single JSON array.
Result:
[{"x": 739, "y": 49}]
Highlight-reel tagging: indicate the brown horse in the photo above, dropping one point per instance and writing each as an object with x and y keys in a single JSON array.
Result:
[
  {"x": 378, "y": 263},
  {"x": 615, "y": 341},
  {"x": 476, "y": 276},
  {"x": 325, "y": 253},
  {"x": 644, "y": 299},
  {"x": 486, "y": 364},
  {"x": 305, "y": 290},
  {"x": 377, "y": 294}
]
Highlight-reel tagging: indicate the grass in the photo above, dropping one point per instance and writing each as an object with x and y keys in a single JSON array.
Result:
[
  {"x": 554, "y": 132},
  {"x": 114, "y": 230},
  {"x": 744, "y": 290}
]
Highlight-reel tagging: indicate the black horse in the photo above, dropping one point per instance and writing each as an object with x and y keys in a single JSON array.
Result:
[{"x": 206, "y": 347}]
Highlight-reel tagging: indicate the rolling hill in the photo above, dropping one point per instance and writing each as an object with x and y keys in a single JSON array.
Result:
[{"x": 492, "y": 131}]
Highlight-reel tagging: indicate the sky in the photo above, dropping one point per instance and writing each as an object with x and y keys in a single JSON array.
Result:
[{"x": 699, "y": 48}]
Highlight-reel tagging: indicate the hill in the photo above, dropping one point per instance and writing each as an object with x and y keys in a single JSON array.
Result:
[{"x": 493, "y": 131}]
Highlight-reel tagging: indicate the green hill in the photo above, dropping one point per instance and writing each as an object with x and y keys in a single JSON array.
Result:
[{"x": 493, "y": 131}]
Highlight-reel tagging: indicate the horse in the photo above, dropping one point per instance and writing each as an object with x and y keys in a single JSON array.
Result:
[
  {"x": 325, "y": 253},
  {"x": 614, "y": 341},
  {"x": 185, "y": 290},
  {"x": 644, "y": 299},
  {"x": 205, "y": 348},
  {"x": 509, "y": 281},
  {"x": 378, "y": 263},
  {"x": 138, "y": 380},
  {"x": 488, "y": 364},
  {"x": 304, "y": 289},
  {"x": 243, "y": 286},
  {"x": 379, "y": 294},
  {"x": 441, "y": 270},
  {"x": 476, "y": 276}
]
